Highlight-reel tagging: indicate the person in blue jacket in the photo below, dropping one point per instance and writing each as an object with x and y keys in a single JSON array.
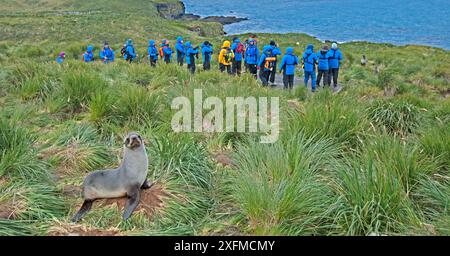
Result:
[
  {"x": 207, "y": 52},
  {"x": 191, "y": 54},
  {"x": 334, "y": 63},
  {"x": 61, "y": 57},
  {"x": 275, "y": 51},
  {"x": 181, "y": 51},
  {"x": 287, "y": 66},
  {"x": 152, "y": 52},
  {"x": 88, "y": 56},
  {"x": 130, "y": 53},
  {"x": 165, "y": 51},
  {"x": 322, "y": 65},
  {"x": 238, "y": 48},
  {"x": 106, "y": 54},
  {"x": 252, "y": 57},
  {"x": 309, "y": 60},
  {"x": 266, "y": 64}
]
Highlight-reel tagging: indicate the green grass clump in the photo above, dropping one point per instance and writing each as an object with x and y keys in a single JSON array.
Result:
[
  {"x": 78, "y": 88},
  {"x": 434, "y": 142},
  {"x": 18, "y": 159},
  {"x": 398, "y": 118},
  {"x": 280, "y": 187}
]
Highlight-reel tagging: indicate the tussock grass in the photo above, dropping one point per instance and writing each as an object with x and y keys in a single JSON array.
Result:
[
  {"x": 399, "y": 118},
  {"x": 280, "y": 188},
  {"x": 17, "y": 157}
]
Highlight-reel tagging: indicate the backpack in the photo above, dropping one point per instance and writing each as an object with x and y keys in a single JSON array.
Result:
[
  {"x": 240, "y": 48},
  {"x": 306, "y": 59},
  {"x": 270, "y": 61},
  {"x": 228, "y": 56},
  {"x": 334, "y": 55},
  {"x": 122, "y": 51},
  {"x": 161, "y": 51}
]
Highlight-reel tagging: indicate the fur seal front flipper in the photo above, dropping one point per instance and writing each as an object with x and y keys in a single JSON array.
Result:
[{"x": 133, "y": 197}]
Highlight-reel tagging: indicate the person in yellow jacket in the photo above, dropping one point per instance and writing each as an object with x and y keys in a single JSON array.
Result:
[{"x": 226, "y": 57}]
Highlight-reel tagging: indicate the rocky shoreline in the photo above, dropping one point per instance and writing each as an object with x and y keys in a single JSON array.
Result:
[{"x": 177, "y": 11}]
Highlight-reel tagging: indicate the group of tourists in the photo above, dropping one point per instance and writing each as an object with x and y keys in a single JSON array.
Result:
[{"x": 234, "y": 56}]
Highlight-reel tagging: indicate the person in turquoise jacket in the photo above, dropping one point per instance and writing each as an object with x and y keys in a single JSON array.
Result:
[
  {"x": 287, "y": 66},
  {"x": 238, "y": 48},
  {"x": 61, "y": 57},
  {"x": 207, "y": 52},
  {"x": 166, "y": 51},
  {"x": 309, "y": 59},
  {"x": 334, "y": 64},
  {"x": 181, "y": 51},
  {"x": 88, "y": 56},
  {"x": 106, "y": 54},
  {"x": 152, "y": 52},
  {"x": 252, "y": 57},
  {"x": 266, "y": 64},
  {"x": 275, "y": 51},
  {"x": 323, "y": 65},
  {"x": 191, "y": 55},
  {"x": 130, "y": 54}
]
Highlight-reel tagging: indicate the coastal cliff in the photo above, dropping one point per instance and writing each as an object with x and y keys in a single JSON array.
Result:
[{"x": 176, "y": 10}]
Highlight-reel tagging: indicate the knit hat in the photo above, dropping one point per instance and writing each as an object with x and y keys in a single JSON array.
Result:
[{"x": 62, "y": 54}]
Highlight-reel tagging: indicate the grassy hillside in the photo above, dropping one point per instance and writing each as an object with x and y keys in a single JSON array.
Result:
[{"x": 373, "y": 159}]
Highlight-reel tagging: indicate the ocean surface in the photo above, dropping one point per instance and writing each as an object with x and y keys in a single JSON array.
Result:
[{"x": 423, "y": 22}]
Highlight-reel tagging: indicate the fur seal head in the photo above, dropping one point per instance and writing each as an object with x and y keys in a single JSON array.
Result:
[{"x": 133, "y": 141}]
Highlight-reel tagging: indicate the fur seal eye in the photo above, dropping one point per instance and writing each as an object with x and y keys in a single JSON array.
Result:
[
  {"x": 140, "y": 138},
  {"x": 127, "y": 141}
]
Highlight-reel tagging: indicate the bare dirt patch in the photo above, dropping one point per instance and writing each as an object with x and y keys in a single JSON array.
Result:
[
  {"x": 71, "y": 191},
  {"x": 151, "y": 199},
  {"x": 224, "y": 158},
  {"x": 6, "y": 211}
]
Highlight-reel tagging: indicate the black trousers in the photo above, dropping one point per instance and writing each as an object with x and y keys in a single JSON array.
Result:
[
  {"x": 324, "y": 74},
  {"x": 252, "y": 69},
  {"x": 180, "y": 59},
  {"x": 333, "y": 74},
  {"x": 237, "y": 67},
  {"x": 264, "y": 76},
  {"x": 167, "y": 59},
  {"x": 207, "y": 65},
  {"x": 191, "y": 68},
  {"x": 288, "y": 81},
  {"x": 225, "y": 67},
  {"x": 152, "y": 63},
  {"x": 273, "y": 73}
]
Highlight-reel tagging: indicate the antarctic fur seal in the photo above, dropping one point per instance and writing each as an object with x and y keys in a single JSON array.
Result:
[{"x": 127, "y": 180}]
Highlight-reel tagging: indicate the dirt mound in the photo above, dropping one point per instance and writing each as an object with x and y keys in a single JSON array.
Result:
[
  {"x": 151, "y": 199},
  {"x": 71, "y": 191},
  {"x": 224, "y": 158},
  {"x": 7, "y": 211}
]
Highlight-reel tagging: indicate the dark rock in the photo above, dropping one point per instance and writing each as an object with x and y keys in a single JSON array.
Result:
[
  {"x": 171, "y": 10},
  {"x": 224, "y": 20},
  {"x": 190, "y": 16}
]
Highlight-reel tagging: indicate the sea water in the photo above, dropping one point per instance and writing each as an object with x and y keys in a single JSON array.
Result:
[{"x": 400, "y": 22}]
